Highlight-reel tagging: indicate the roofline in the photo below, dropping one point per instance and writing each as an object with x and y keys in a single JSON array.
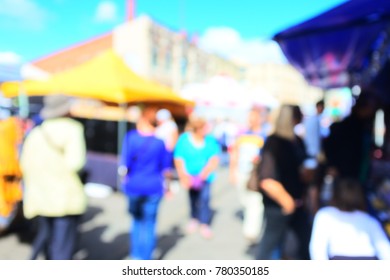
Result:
[{"x": 75, "y": 45}]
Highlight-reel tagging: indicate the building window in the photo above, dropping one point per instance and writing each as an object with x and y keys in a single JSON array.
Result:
[
  {"x": 154, "y": 57},
  {"x": 184, "y": 66},
  {"x": 168, "y": 60}
]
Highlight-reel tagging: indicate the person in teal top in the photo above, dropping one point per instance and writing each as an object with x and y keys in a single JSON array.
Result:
[{"x": 196, "y": 159}]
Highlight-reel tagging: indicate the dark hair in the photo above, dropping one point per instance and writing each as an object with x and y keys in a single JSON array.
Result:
[
  {"x": 348, "y": 195},
  {"x": 297, "y": 113},
  {"x": 320, "y": 103},
  {"x": 366, "y": 98}
]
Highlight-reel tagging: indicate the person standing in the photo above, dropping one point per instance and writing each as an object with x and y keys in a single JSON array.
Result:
[
  {"x": 349, "y": 145},
  {"x": 344, "y": 230},
  {"x": 244, "y": 153},
  {"x": 314, "y": 165},
  {"x": 225, "y": 132},
  {"x": 314, "y": 133},
  {"x": 144, "y": 159},
  {"x": 168, "y": 131},
  {"x": 10, "y": 173},
  {"x": 52, "y": 155},
  {"x": 282, "y": 187},
  {"x": 196, "y": 159}
]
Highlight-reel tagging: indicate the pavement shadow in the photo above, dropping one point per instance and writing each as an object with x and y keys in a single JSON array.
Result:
[
  {"x": 239, "y": 214},
  {"x": 90, "y": 214},
  {"x": 286, "y": 251},
  {"x": 251, "y": 250},
  {"x": 26, "y": 230},
  {"x": 213, "y": 215},
  {"x": 23, "y": 228},
  {"x": 92, "y": 247},
  {"x": 167, "y": 242}
]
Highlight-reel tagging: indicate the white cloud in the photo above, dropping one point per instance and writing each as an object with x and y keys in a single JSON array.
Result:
[
  {"x": 31, "y": 72},
  {"x": 23, "y": 13},
  {"x": 27, "y": 70},
  {"x": 106, "y": 11},
  {"x": 10, "y": 58},
  {"x": 228, "y": 43}
]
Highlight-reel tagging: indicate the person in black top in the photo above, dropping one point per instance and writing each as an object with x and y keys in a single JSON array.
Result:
[
  {"x": 349, "y": 145},
  {"x": 282, "y": 186}
]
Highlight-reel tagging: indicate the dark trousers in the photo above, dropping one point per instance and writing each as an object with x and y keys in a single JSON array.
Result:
[
  {"x": 200, "y": 204},
  {"x": 56, "y": 237},
  {"x": 276, "y": 225}
]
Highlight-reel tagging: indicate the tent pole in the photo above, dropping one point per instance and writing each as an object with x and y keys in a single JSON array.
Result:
[
  {"x": 122, "y": 128},
  {"x": 23, "y": 102}
]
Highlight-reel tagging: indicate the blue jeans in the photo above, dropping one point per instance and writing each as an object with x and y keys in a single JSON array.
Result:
[
  {"x": 200, "y": 204},
  {"x": 142, "y": 235}
]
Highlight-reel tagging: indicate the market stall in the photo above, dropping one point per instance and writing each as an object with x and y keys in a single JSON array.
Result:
[
  {"x": 108, "y": 79},
  {"x": 349, "y": 46}
]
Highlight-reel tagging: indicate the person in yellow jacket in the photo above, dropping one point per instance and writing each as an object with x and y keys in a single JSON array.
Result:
[
  {"x": 10, "y": 173},
  {"x": 52, "y": 155}
]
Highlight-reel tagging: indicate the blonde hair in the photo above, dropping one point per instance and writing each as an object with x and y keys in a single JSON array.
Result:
[
  {"x": 284, "y": 125},
  {"x": 195, "y": 123}
]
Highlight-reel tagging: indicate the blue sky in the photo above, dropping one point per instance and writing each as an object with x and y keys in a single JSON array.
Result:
[{"x": 33, "y": 28}]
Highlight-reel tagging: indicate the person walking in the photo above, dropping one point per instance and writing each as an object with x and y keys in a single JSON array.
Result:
[
  {"x": 10, "y": 173},
  {"x": 349, "y": 145},
  {"x": 345, "y": 230},
  {"x": 314, "y": 164},
  {"x": 168, "y": 131},
  {"x": 144, "y": 159},
  {"x": 196, "y": 159},
  {"x": 52, "y": 155},
  {"x": 244, "y": 153},
  {"x": 282, "y": 186}
]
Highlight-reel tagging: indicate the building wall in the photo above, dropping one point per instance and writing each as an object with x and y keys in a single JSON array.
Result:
[
  {"x": 174, "y": 59},
  {"x": 131, "y": 41},
  {"x": 167, "y": 56},
  {"x": 74, "y": 55},
  {"x": 284, "y": 82}
]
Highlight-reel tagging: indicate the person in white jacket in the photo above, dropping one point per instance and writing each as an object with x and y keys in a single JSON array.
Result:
[
  {"x": 52, "y": 155},
  {"x": 345, "y": 230}
]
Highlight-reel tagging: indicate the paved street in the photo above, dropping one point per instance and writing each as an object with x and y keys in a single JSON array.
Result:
[{"x": 104, "y": 230}]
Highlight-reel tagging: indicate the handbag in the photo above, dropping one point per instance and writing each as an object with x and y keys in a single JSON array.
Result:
[
  {"x": 197, "y": 183},
  {"x": 253, "y": 181}
]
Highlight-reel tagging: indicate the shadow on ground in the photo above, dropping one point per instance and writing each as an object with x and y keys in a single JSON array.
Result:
[
  {"x": 168, "y": 241},
  {"x": 93, "y": 248}
]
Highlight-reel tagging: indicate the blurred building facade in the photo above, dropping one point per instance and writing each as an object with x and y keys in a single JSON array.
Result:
[
  {"x": 151, "y": 50},
  {"x": 169, "y": 57},
  {"x": 283, "y": 82},
  {"x": 173, "y": 58}
]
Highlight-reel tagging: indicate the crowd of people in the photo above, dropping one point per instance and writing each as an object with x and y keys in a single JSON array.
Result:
[{"x": 289, "y": 169}]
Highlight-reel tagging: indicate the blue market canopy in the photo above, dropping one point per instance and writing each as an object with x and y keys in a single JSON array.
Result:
[{"x": 346, "y": 45}]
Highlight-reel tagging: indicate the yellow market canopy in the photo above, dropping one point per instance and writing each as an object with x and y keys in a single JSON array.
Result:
[{"x": 105, "y": 77}]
